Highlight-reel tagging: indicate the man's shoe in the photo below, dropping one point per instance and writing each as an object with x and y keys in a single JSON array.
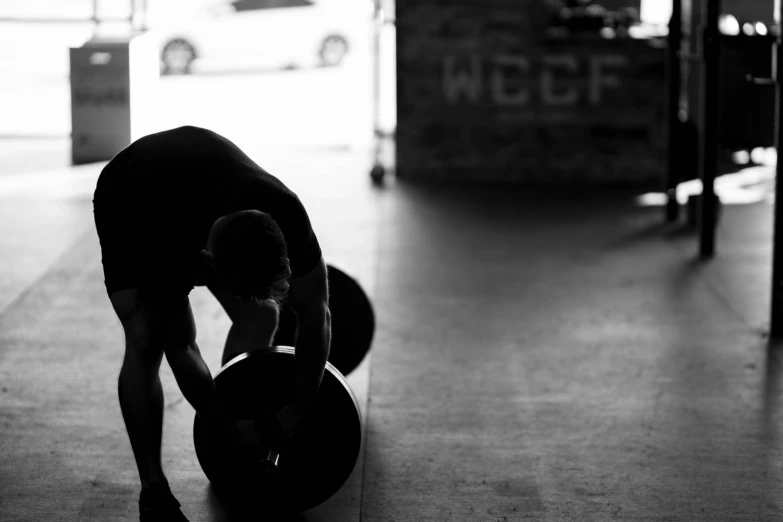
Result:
[{"x": 157, "y": 504}]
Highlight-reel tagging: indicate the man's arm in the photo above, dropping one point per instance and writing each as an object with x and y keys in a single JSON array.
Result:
[{"x": 308, "y": 297}]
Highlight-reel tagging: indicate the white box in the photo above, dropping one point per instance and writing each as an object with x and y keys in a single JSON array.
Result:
[{"x": 113, "y": 88}]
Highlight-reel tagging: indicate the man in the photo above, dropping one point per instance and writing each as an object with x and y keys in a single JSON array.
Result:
[{"x": 183, "y": 208}]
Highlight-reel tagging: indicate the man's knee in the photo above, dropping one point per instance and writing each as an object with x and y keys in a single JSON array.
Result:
[
  {"x": 130, "y": 310},
  {"x": 147, "y": 337}
]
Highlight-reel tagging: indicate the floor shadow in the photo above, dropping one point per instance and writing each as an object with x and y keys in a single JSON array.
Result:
[
  {"x": 652, "y": 228},
  {"x": 219, "y": 511},
  {"x": 772, "y": 381},
  {"x": 216, "y": 512},
  {"x": 680, "y": 230}
]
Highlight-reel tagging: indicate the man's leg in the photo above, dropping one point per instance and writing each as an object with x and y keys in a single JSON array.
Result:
[
  {"x": 150, "y": 332},
  {"x": 139, "y": 388}
]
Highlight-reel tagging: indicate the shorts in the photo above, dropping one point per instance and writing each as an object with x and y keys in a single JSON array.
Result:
[{"x": 119, "y": 238}]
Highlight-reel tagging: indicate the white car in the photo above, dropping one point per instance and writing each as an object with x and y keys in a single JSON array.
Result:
[{"x": 270, "y": 33}]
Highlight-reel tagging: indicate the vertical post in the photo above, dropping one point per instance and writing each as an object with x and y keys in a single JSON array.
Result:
[
  {"x": 144, "y": 7},
  {"x": 695, "y": 68},
  {"x": 378, "y": 21},
  {"x": 674, "y": 159},
  {"x": 132, "y": 15},
  {"x": 95, "y": 18},
  {"x": 711, "y": 89},
  {"x": 776, "y": 319}
]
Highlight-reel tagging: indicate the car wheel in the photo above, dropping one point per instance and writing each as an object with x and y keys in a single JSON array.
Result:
[
  {"x": 334, "y": 48},
  {"x": 177, "y": 56}
]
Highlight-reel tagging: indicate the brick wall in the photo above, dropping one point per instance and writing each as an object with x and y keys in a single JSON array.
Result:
[
  {"x": 485, "y": 96},
  {"x": 750, "y": 10}
]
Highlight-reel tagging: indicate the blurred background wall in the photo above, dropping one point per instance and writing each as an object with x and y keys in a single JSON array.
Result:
[{"x": 557, "y": 91}]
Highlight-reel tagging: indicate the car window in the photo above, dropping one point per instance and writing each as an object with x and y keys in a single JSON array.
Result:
[{"x": 252, "y": 5}]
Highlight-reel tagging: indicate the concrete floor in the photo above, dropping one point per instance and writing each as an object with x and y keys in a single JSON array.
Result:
[{"x": 537, "y": 357}]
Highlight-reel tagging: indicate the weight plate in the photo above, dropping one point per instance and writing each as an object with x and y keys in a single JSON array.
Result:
[
  {"x": 353, "y": 322},
  {"x": 319, "y": 460}
]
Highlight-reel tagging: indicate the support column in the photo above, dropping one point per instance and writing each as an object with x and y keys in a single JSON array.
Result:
[
  {"x": 672, "y": 110},
  {"x": 776, "y": 320},
  {"x": 710, "y": 144}
]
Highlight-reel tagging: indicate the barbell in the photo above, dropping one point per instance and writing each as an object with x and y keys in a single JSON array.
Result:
[
  {"x": 296, "y": 475},
  {"x": 289, "y": 476}
]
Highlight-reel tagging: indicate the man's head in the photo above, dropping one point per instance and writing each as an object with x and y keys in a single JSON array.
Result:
[{"x": 249, "y": 254}]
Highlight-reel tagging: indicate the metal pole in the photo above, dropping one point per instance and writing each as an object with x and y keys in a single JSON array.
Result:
[
  {"x": 144, "y": 15},
  {"x": 674, "y": 159},
  {"x": 377, "y": 25},
  {"x": 132, "y": 15},
  {"x": 377, "y": 171},
  {"x": 776, "y": 319},
  {"x": 95, "y": 13},
  {"x": 711, "y": 88},
  {"x": 695, "y": 71}
]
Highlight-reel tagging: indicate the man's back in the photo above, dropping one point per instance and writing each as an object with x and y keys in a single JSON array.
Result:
[{"x": 169, "y": 188}]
